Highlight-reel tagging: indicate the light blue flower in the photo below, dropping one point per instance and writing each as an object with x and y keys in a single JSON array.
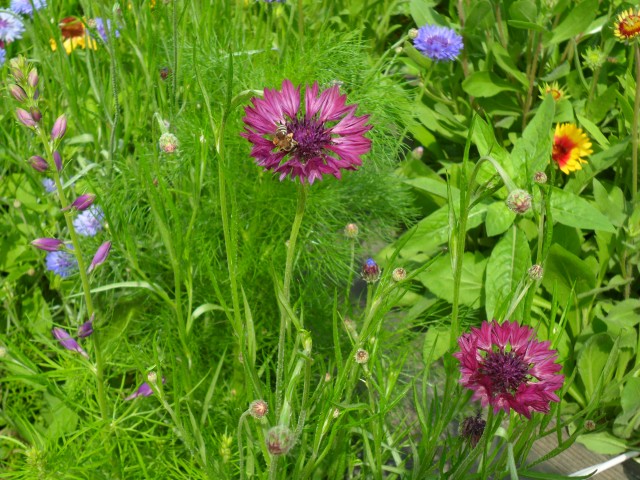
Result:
[
  {"x": 103, "y": 28},
  {"x": 438, "y": 43},
  {"x": 89, "y": 222},
  {"x": 3, "y": 56},
  {"x": 49, "y": 185},
  {"x": 26, "y": 7},
  {"x": 11, "y": 27},
  {"x": 61, "y": 263}
]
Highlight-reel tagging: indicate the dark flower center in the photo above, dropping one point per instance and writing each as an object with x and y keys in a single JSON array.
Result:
[
  {"x": 505, "y": 370},
  {"x": 311, "y": 135}
]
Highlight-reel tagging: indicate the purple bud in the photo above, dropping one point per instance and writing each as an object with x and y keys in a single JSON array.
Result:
[
  {"x": 36, "y": 94},
  {"x": 18, "y": 93},
  {"x": 143, "y": 390},
  {"x": 82, "y": 202},
  {"x": 36, "y": 114},
  {"x": 59, "y": 128},
  {"x": 57, "y": 159},
  {"x": 86, "y": 328},
  {"x": 32, "y": 78},
  {"x": 25, "y": 118},
  {"x": 39, "y": 163},
  {"x": 370, "y": 271},
  {"x": 48, "y": 244},
  {"x": 101, "y": 255},
  {"x": 67, "y": 342}
]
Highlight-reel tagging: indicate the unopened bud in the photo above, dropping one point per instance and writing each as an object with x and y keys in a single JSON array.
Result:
[
  {"x": 86, "y": 329},
  {"x": 472, "y": 429},
  {"x": 57, "y": 159},
  {"x": 258, "y": 409},
  {"x": 36, "y": 114},
  {"x": 399, "y": 274},
  {"x": 280, "y": 439},
  {"x": 361, "y": 356},
  {"x": 417, "y": 153},
  {"x": 48, "y": 244},
  {"x": 59, "y": 128},
  {"x": 100, "y": 256},
  {"x": 351, "y": 230},
  {"x": 413, "y": 33},
  {"x": 168, "y": 143},
  {"x": 82, "y": 202},
  {"x": 535, "y": 272},
  {"x": 540, "y": 178},
  {"x": 589, "y": 425},
  {"x": 25, "y": 118},
  {"x": 519, "y": 201},
  {"x": 32, "y": 78},
  {"x": 18, "y": 92},
  {"x": 370, "y": 271},
  {"x": 39, "y": 163},
  {"x": 152, "y": 377}
]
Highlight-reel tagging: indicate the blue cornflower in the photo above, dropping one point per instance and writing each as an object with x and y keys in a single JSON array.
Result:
[
  {"x": 438, "y": 43},
  {"x": 49, "y": 185},
  {"x": 26, "y": 7},
  {"x": 103, "y": 27},
  {"x": 61, "y": 263},
  {"x": 3, "y": 56},
  {"x": 11, "y": 27},
  {"x": 89, "y": 222}
]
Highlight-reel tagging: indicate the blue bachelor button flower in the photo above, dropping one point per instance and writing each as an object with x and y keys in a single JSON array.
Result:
[
  {"x": 3, "y": 56},
  {"x": 103, "y": 27},
  {"x": 438, "y": 43},
  {"x": 26, "y": 7},
  {"x": 49, "y": 185},
  {"x": 89, "y": 222},
  {"x": 11, "y": 27},
  {"x": 61, "y": 263}
]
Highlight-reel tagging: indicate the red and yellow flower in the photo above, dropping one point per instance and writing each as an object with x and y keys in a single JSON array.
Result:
[
  {"x": 557, "y": 92},
  {"x": 570, "y": 145},
  {"x": 74, "y": 35},
  {"x": 627, "y": 25}
]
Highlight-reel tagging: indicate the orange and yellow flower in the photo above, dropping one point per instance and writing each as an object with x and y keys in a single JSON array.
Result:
[
  {"x": 74, "y": 36},
  {"x": 570, "y": 145},
  {"x": 627, "y": 25},
  {"x": 557, "y": 92}
]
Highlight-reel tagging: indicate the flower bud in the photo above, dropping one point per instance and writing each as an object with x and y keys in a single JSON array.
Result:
[
  {"x": 535, "y": 272},
  {"x": 519, "y": 201},
  {"x": 39, "y": 163},
  {"x": 589, "y": 425},
  {"x": 18, "y": 92},
  {"x": 36, "y": 114},
  {"x": 57, "y": 159},
  {"x": 82, "y": 202},
  {"x": 32, "y": 78},
  {"x": 86, "y": 328},
  {"x": 540, "y": 178},
  {"x": 101, "y": 255},
  {"x": 361, "y": 356},
  {"x": 370, "y": 271},
  {"x": 351, "y": 230},
  {"x": 59, "y": 128},
  {"x": 152, "y": 377},
  {"x": 168, "y": 143},
  {"x": 25, "y": 118},
  {"x": 67, "y": 342},
  {"x": 399, "y": 274},
  {"x": 413, "y": 33},
  {"x": 48, "y": 244},
  {"x": 280, "y": 439},
  {"x": 258, "y": 409},
  {"x": 417, "y": 153},
  {"x": 472, "y": 429}
]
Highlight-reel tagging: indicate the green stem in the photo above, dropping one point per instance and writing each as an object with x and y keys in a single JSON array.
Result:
[
  {"x": 286, "y": 289},
  {"x": 634, "y": 133}
]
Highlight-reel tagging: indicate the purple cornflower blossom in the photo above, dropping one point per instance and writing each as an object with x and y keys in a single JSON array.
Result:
[
  {"x": 3, "y": 56},
  {"x": 323, "y": 138},
  {"x": 89, "y": 222},
  {"x": 438, "y": 43},
  {"x": 26, "y": 7},
  {"x": 11, "y": 27},
  {"x": 49, "y": 185},
  {"x": 61, "y": 263},
  {"x": 103, "y": 27},
  {"x": 507, "y": 368},
  {"x": 67, "y": 342}
]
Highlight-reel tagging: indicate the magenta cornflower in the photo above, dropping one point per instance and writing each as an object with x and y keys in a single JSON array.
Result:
[
  {"x": 324, "y": 137},
  {"x": 507, "y": 368}
]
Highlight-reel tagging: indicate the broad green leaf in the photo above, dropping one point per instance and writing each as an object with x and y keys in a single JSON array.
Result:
[
  {"x": 499, "y": 219},
  {"x": 486, "y": 142},
  {"x": 592, "y": 360},
  {"x": 486, "y": 84},
  {"x": 436, "y": 342},
  {"x": 564, "y": 270},
  {"x": 597, "y": 163},
  {"x": 576, "y": 22},
  {"x": 524, "y": 11},
  {"x": 603, "y": 442},
  {"x": 614, "y": 210},
  {"x": 526, "y": 26},
  {"x": 439, "y": 278},
  {"x": 630, "y": 398},
  {"x": 593, "y": 130},
  {"x": 532, "y": 150},
  {"x": 574, "y": 211},
  {"x": 422, "y": 13},
  {"x": 480, "y": 15},
  {"x": 507, "y": 64},
  {"x": 433, "y": 186},
  {"x": 506, "y": 266},
  {"x": 431, "y": 233},
  {"x": 626, "y": 314}
]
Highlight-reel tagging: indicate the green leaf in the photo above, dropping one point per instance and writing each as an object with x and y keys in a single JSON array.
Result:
[
  {"x": 574, "y": 211},
  {"x": 576, "y": 22},
  {"x": 563, "y": 270},
  {"x": 531, "y": 152},
  {"x": 436, "y": 343},
  {"x": 626, "y": 314},
  {"x": 507, "y": 64},
  {"x": 506, "y": 266},
  {"x": 422, "y": 13},
  {"x": 485, "y": 140},
  {"x": 526, "y": 26},
  {"x": 630, "y": 398},
  {"x": 593, "y": 130},
  {"x": 614, "y": 210},
  {"x": 480, "y": 15},
  {"x": 603, "y": 442},
  {"x": 524, "y": 11},
  {"x": 486, "y": 84},
  {"x": 499, "y": 219},
  {"x": 592, "y": 360},
  {"x": 439, "y": 278}
]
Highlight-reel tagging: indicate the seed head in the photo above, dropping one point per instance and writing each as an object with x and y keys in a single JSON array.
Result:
[
  {"x": 258, "y": 409},
  {"x": 362, "y": 356},
  {"x": 535, "y": 272},
  {"x": 519, "y": 201},
  {"x": 399, "y": 274}
]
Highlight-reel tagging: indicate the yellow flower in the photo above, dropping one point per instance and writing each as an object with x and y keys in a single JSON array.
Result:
[
  {"x": 554, "y": 89},
  {"x": 627, "y": 25},
  {"x": 570, "y": 144},
  {"x": 75, "y": 36}
]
